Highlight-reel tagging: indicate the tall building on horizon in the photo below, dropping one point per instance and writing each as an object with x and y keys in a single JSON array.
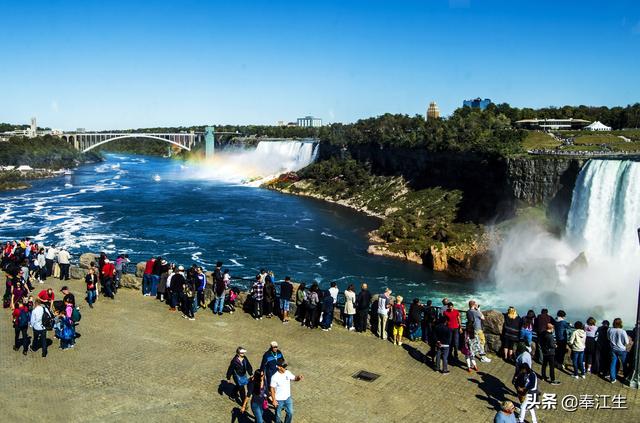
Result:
[
  {"x": 33, "y": 129},
  {"x": 477, "y": 103},
  {"x": 433, "y": 112}
]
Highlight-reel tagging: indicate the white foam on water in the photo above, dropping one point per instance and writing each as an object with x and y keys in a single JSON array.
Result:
[
  {"x": 300, "y": 248},
  {"x": 328, "y": 235},
  {"x": 236, "y": 263},
  {"x": 322, "y": 259}
]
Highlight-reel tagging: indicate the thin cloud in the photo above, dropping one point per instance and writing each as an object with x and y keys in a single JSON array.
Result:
[{"x": 54, "y": 106}]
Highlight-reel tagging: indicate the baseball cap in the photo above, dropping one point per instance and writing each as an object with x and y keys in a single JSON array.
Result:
[
  {"x": 274, "y": 344},
  {"x": 281, "y": 363},
  {"x": 64, "y": 288}
]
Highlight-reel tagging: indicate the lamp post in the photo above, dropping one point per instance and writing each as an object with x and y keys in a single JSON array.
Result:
[{"x": 635, "y": 378}]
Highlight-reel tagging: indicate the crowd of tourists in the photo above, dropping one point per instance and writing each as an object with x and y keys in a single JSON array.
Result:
[
  {"x": 25, "y": 263},
  {"x": 453, "y": 336}
]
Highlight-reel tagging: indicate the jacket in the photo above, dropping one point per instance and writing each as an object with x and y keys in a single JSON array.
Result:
[
  {"x": 547, "y": 343},
  {"x": 577, "y": 340},
  {"x": 363, "y": 301},
  {"x": 239, "y": 368},
  {"x": 349, "y": 302}
]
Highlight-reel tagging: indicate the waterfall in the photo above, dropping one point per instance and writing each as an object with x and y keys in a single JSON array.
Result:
[
  {"x": 289, "y": 155},
  {"x": 605, "y": 210},
  {"x": 253, "y": 165},
  {"x": 535, "y": 269}
]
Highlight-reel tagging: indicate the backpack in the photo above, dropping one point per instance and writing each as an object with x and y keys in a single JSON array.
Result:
[
  {"x": 397, "y": 315},
  {"x": 23, "y": 319},
  {"x": 47, "y": 318},
  {"x": 75, "y": 315}
]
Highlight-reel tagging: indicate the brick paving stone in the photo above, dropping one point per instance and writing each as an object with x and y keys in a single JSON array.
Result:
[{"x": 136, "y": 361}]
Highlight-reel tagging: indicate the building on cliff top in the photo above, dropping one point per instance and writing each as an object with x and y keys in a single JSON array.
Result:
[
  {"x": 552, "y": 124},
  {"x": 433, "y": 112}
]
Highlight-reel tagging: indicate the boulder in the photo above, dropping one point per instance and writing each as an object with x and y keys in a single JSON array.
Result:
[
  {"x": 130, "y": 281},
  {"x": 493, "y": 322},
  {"x": 140, "y": 268},
  {"x": 492, "y": 326},
  {"x": 77, "y": 272},
  {"x": 86, "y": 259}
]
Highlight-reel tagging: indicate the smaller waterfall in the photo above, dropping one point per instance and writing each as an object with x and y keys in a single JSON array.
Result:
[
  {"x": 267, "y": 160},
  {"x": 289, "y": 155}
]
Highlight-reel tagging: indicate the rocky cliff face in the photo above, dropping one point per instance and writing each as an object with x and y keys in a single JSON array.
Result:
[{"x": 493, "y": 187}]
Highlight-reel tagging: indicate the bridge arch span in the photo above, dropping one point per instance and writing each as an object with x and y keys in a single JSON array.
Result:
[{"x": 124, "y": 136}]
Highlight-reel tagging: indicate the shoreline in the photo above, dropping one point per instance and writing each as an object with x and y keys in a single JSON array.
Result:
[{"x": 471, "y": 263}]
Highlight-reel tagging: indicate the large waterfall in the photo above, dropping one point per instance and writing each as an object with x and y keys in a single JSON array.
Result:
[
  {"x": 251, "y": 165},
  {"x": 594, "y": 269},
  {"x": 605, "y": 210}
]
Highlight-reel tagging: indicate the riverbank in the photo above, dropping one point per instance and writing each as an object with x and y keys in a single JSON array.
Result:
[
  {"x": 25, "y": 159},
  {"x": 135, "y": 361},
  {"x": 420, "y": 226},
  {"x": 16, "y": 180}
]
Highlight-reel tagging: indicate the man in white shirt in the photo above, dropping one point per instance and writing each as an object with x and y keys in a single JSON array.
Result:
[
  {"x": 281, "y": 390},
  {"x": 333, "y": 291},
  {"x": 39, "y": 331},
  {"x": 64, "y": 261},
  {"x": 49, "y": 257}
]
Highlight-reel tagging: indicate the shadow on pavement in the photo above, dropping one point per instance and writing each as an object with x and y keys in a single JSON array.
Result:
[{"x": 495, "y": 391}]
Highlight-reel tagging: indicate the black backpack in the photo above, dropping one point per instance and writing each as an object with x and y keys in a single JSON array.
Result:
[{"x": 47, "y": 319}]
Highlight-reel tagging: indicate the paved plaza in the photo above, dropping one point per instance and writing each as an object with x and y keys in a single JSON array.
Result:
[{"x": 136, "y": 361}]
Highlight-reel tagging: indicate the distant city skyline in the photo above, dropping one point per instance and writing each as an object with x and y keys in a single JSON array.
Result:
[{"x": 119, "y": 65}]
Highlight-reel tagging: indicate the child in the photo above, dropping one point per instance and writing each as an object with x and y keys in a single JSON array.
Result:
[
  {"x": 232, "y": 301},
  {"x": 468, "y": 351}
]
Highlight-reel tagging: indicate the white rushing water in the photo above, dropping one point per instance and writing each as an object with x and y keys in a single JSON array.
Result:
[
  {"x": 605, "y": 210},
  {"x": 535, "y": 269},
  {"x": 267, "y": 160}
]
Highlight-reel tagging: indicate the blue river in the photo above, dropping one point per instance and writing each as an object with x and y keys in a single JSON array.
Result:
[{"x": 145, "y": 206}]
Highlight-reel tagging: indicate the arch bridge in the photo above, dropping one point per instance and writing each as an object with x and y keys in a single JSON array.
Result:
[{"x": 88, "y": 141}]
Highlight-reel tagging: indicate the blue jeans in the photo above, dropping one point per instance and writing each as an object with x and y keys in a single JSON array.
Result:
[
  {"x": 577, "y": 358},
  {"x": 442, "y": 353},
  {"x": 284, "y": 304},
  {"x": 218, "y": 305},
  {"x": 615, "y": 356},
  {"x": 348, "y": 320},
  {"x": 288, "y": 406},
  {"x": 146, "y": 284},
  {"x": 155, "y": 280},
  {"x": 257, "y": 411},
  {"x": 327, "y": 318},
  {"x": 194, "y": 307},
  {"x": 91, "y": 296}
]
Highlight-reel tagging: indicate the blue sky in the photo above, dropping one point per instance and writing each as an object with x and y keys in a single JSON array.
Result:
[{"x": 128, "y": 64}]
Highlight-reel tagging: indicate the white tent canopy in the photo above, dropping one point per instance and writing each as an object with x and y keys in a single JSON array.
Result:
[{"x": 597, "y": 126}]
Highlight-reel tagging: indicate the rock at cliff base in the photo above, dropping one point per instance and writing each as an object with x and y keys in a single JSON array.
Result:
[{"x": 578, "y": 264}]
